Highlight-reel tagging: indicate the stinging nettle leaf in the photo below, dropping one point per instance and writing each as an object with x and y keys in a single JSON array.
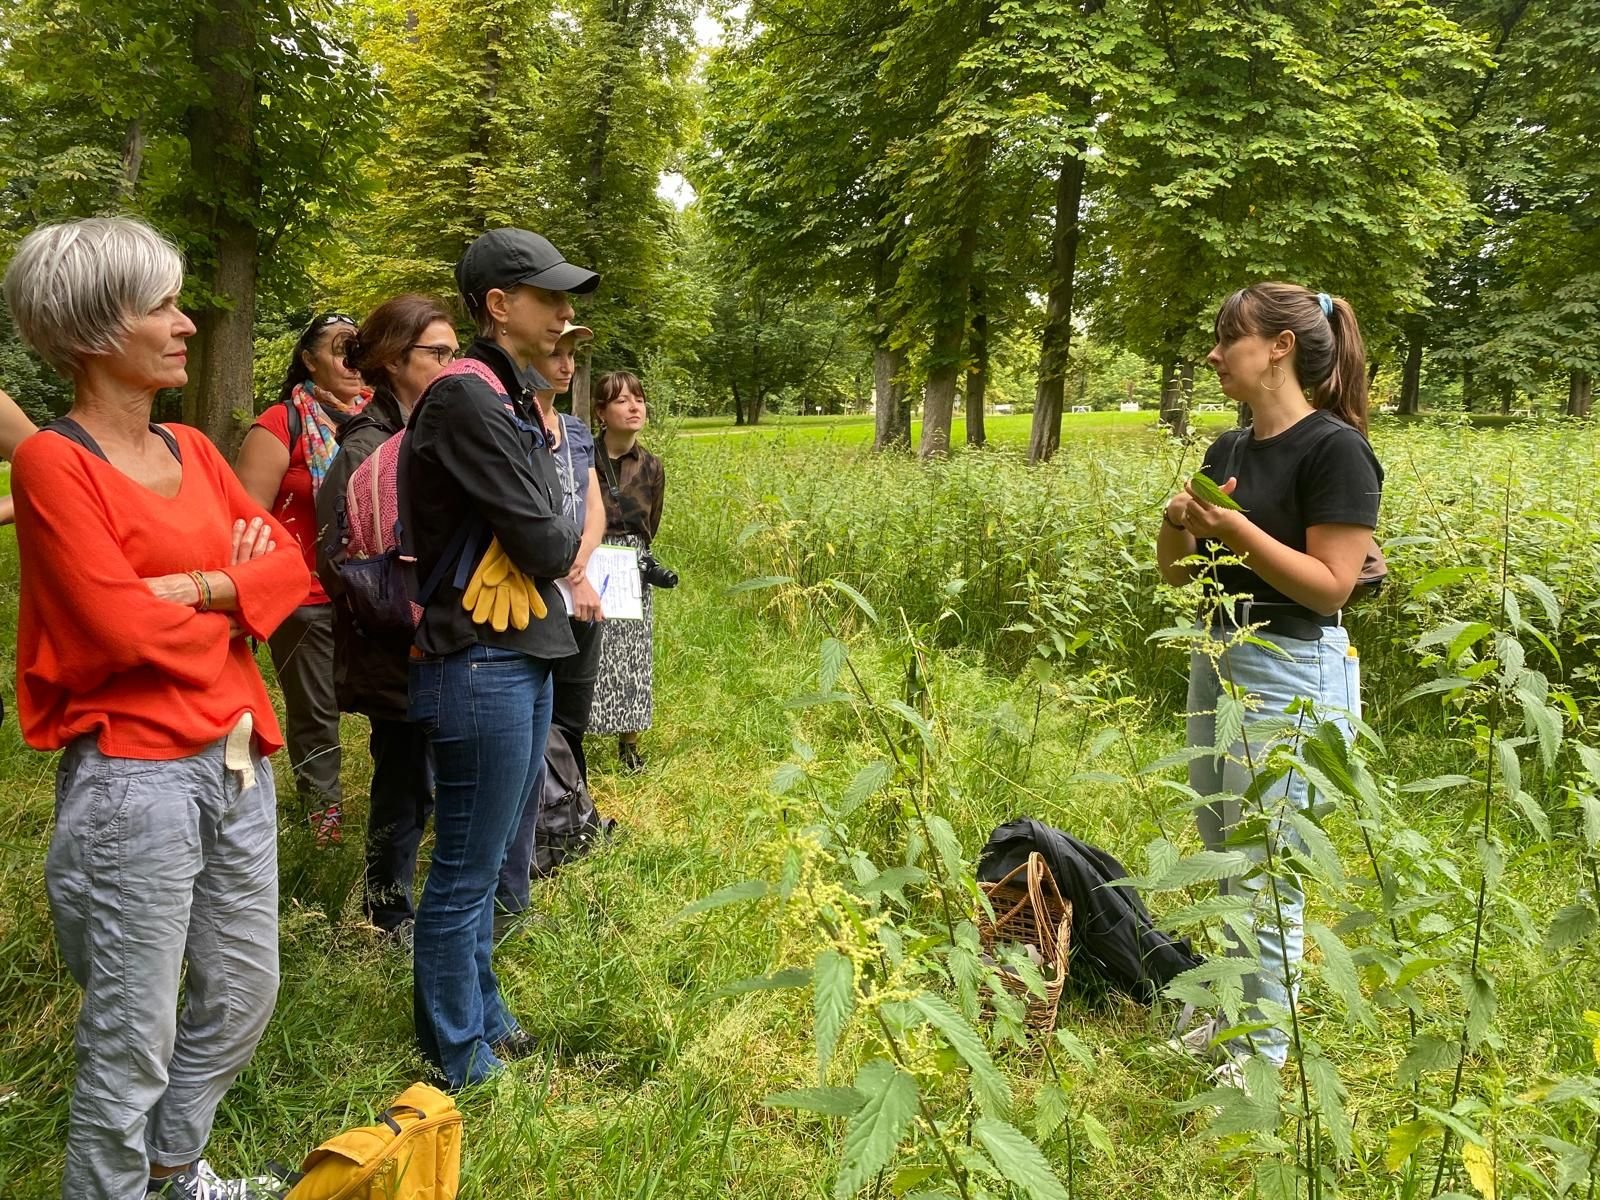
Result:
[
  {"x": 1572, "y": 925},
  {"x": 988, "y": 1084},
  {"x": 877, "y": 1127},
  {"x": 829, "y": 1101},
  {"x": 1404, "y": 1140},
  {"x": 834, "y": 654},
  {"x": 1018, "y": 1159},
  {"x": 867, "y": 782},
  {"x": 833, "y": 999},
  {"x": 734, "y": 893}
]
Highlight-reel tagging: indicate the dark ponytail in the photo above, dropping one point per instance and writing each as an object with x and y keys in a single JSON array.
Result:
[{"x": 1330, "y": 359}]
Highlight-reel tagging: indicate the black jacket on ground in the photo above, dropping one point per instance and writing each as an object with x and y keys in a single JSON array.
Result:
[
  {"x": 482, "y": 460},
  {"x": 1113, "y": 935},
  {"x": 369, "y": 674}
]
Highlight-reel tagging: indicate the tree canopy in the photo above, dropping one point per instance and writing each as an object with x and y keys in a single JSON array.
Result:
[{"x": 873, "y": 199}]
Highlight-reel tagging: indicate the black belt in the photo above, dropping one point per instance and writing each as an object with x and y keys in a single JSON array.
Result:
[{"x": 1281, "y": 617}]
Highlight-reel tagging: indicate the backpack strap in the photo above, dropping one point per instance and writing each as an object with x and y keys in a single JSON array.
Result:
[
  {"x": 295, "y": 422},
  {"x": 460, "y": 551},
  {"x": 469, "y": 366}
]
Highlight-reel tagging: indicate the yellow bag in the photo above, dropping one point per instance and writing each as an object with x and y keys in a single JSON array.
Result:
[{"x": 414, "y": 1153}]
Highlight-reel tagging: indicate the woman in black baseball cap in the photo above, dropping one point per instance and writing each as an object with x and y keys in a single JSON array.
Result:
[{"x": 486, "y": 513}]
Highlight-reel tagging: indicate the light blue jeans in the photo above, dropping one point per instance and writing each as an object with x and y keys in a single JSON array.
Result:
[
  {"x": 1323, "y": 671},
  {"x": 152, "y": 866}
]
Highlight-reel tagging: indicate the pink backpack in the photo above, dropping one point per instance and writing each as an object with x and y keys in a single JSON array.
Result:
[{"x": 369, "y": 550}]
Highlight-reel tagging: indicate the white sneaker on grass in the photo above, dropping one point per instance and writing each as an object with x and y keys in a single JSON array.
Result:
[
  {"x": 1230, "y": 1073},
  {"x": 200, "y": 1182},
  {"x": 1194, "y": 1039}
]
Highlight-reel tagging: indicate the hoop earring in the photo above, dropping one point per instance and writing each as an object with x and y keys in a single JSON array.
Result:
[{"x": 1282, "y": 377}]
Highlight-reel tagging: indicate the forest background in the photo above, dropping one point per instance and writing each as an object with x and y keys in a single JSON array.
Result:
[{"x": 820, "y": 205}]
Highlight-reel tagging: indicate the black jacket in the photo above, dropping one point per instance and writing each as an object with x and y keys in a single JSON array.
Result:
[
  {"x": 1113, "y": 935},
  {"x": 477, "y": 459},
  {"x": 369, "y": 674}
]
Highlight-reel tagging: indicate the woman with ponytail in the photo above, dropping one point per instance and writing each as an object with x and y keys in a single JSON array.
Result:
[
  {"x": 282, "y": 463},
  {"x": 1307, "y": 485}
]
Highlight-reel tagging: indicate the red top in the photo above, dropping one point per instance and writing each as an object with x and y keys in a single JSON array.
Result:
[
  {"x": 295, "y": 506},
  {"x": 96, "y": 652}
]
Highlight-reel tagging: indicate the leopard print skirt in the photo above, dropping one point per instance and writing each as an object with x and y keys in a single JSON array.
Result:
[{"x": 622, "y": 692}]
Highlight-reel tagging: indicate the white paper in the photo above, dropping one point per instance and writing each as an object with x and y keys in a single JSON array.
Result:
[{"x": 614, "y": 573}]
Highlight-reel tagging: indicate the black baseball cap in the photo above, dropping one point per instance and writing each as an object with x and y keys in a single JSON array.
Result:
[{"x": 504, "y": 258}]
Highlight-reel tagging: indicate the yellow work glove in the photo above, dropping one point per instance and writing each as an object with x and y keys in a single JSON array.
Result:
[{"x": 499, "y": 595}]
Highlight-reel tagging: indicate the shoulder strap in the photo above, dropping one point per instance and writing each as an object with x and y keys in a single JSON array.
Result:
[
  {"x": 296, "y": 425},
  {"x": 167, "y": 436},
  {"x": 79, "y": 436}
]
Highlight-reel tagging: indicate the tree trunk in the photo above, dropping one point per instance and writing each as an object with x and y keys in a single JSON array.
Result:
[
  {"x": 1174, "y": 413},
  {"x": 583, "y": 388},
  {"x": 1508, "y": 397},
  {"x": 758, "y": 405},
  {"x": 892, "y": 418},
  {"x": 939, "y": 394},
  {"x": 1055, "y": 340},
  {"x": 1411, "y": 376},
  {"x": 219, "y": 399},
  {"x": 1580, "y": 394},
  {"x": 132, "y": 158},
  {"x": 738, "y": 404},
  {"x": 977, "y": 370},
  {"x": 950, "y": 327},
  {"x": 1469, "y": 390}
]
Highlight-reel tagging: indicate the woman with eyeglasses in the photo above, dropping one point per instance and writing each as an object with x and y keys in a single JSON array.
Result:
[
  {"x": 399, "y": 349},
  {"x": 282, "y": 463}
]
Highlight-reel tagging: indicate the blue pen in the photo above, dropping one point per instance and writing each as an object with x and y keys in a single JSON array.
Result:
[{"x": 603, "y": 583}]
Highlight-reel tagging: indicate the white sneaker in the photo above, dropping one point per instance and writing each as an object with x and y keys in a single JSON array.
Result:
[
  {"x": 200, "y": 1182},
  {"x": 1229, "y": 1074},
  {"x": 1194, "y": 1040}
]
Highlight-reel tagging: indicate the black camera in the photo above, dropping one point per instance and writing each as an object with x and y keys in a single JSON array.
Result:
[{"x": 654, "y": 573}]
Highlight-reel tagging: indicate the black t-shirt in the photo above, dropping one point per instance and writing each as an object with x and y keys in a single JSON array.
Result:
[{"x": 1319, "y": 471}]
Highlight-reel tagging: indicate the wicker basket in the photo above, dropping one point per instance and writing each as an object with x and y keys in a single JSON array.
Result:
[{"x": 1029, "y": 909}]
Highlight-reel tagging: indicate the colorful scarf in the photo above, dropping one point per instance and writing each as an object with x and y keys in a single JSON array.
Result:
[{"x": 321, "y": 415}]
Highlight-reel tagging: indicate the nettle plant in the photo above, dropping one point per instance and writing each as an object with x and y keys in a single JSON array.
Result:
[
  {"x": 884, "y": 938},
  {"x": 1419, "y": 921}
]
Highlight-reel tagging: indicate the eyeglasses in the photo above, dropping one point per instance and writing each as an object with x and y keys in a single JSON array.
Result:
[
  {"x": 444, "y": 355},
  {"x": 327, "y": 319}
]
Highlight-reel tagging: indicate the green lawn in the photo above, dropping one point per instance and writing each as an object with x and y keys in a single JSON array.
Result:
[{"x": 854, "y": 429}]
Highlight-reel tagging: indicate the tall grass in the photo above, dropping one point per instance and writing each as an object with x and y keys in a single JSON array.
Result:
[{"x": 1015, "y": 609}]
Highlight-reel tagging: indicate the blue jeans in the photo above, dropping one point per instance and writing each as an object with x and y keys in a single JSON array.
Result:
[
  {"x": 1323, "y": 671},
  {"x": 486, "y": 712}
]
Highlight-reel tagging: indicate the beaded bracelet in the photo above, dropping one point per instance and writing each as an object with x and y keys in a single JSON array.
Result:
[{"x": 203, "y": 587}]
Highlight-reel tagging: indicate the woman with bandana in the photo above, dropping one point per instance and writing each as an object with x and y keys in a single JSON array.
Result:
[{"x": 282, "y": 463}]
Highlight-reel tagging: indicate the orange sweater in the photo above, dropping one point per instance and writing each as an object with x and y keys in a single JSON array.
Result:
[{"x": 96, "y": 652}]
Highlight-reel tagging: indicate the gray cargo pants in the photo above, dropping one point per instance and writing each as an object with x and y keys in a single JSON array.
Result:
[
  {"x": 302, "y": 655},
  {"x": 153, "y": 865}
]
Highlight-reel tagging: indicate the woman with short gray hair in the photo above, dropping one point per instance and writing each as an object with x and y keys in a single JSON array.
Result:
[{"x": 144, "y": 566}]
